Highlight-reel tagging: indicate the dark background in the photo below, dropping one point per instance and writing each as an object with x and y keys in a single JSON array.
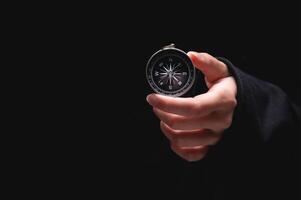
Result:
[{"x": 115, "y": 141}]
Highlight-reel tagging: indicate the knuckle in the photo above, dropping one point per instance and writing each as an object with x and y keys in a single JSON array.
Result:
[
  {"x": 223, "y": 95},
  {"x": 193, "y": 157},
  {"x": 164, "y": 130},
  {"x": 173, "y": 137},
  {"x": 190, "y": 156},
  {"x": 172, "y": 121},
  {"x": 176, "y": 141},
  {"x": 226, "y": 99},
  {"x": 227, "y": 122},
  {"x": 179, "y": 141},
  {"x": 215, "y": 138},
  {"x": 232, "y": 103}
]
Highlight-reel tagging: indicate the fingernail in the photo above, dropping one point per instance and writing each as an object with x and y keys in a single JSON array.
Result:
[
  {"x": 191, "y": 52},
  {"x": 149, "y": 98}
]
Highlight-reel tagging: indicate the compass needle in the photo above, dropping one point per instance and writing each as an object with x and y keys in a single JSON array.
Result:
[{"x": 175, "y": 78}]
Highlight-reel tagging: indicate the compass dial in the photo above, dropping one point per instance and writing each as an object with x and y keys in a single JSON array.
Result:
[{"x": 170, "y": 72}]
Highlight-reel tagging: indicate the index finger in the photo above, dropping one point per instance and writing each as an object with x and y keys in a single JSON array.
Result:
[{"x": 200, "y": 105}]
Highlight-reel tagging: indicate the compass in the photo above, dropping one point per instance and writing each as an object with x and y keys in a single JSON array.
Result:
[{"x": 170, "y": 71}]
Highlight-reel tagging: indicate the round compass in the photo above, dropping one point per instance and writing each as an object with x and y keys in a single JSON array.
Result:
[{"x": 169, "y": 71}]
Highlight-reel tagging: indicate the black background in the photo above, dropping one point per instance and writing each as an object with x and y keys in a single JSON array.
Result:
[{"x": 112, "y": 139}]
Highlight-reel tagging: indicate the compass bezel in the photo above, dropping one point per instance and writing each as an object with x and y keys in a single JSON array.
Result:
[{"x": 162, "y": 54}]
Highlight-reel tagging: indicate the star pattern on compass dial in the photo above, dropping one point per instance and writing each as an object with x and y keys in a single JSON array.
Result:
[{"x": 170, "y": 72}]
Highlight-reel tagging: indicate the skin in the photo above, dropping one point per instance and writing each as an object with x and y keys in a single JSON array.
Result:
[{"x": 192, "y": 124}]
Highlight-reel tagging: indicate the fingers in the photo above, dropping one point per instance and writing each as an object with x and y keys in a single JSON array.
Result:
[
  {"x": 212, "y": 110},
  {"x": 180, "y": 106},
  {"x": 215, "y": 121},
  {"x": 212, "y": 68},
  {"x": 190, "y": 154},
  {"x": 190, "y": 145},
  {"x": 198, "y": 106},
  {"x": 184, "y": 139}
]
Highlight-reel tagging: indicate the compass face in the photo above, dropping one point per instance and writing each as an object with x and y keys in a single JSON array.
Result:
[{"x": 170, "y": 72}]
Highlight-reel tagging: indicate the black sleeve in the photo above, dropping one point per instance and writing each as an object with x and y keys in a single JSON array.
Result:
[
  {"x": 267, "y": 109},
  {"x": 265, "y": 116},
  {"x": 262, "y": 144}
]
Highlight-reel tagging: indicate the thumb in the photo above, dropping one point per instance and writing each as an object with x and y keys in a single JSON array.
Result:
[{"x": 212, "y": 68}]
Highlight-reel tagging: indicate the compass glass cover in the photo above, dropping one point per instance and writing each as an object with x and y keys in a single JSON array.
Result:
[{"x": 170, "y": 72}]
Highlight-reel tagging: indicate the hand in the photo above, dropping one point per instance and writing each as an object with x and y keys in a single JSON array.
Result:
[{"x": 192, "y": 124}]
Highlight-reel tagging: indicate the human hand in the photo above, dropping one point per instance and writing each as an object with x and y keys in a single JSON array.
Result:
[{"x": 192, "y": 124}]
